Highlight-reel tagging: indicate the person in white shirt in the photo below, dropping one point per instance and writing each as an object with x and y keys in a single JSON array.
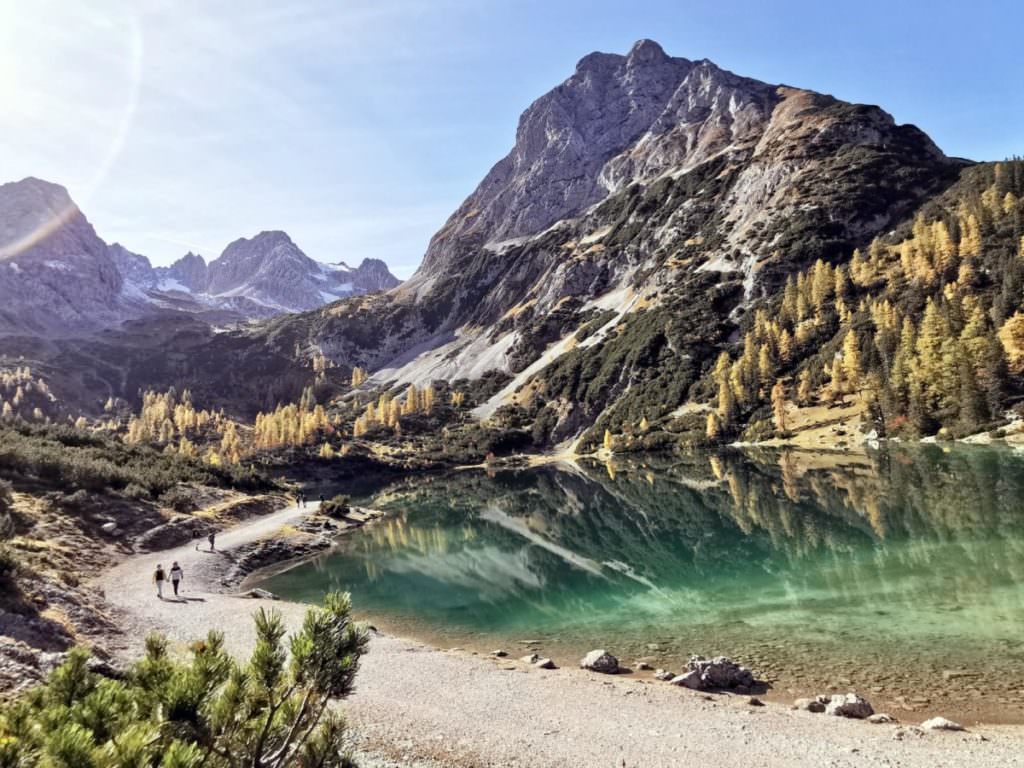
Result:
[{"x": 176, "y": 576}]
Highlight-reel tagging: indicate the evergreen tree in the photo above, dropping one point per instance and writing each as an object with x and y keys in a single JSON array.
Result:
[{"x": 210, "y": 712}]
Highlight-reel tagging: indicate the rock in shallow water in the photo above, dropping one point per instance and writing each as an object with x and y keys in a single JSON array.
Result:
[
  {"x": 849, "y": 705},
  {"x": 600, "y": 661}
]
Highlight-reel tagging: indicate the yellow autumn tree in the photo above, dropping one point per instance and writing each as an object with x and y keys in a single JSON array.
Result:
[
  {"x": 779, "y": 406},
  {"x": 1011, "y": 335}
]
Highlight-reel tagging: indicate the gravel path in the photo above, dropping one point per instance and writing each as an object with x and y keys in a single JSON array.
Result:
[{"x": 416, "y": 705}]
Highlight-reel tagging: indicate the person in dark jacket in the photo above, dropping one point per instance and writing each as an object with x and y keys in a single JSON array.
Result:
[{"x": 159, "y": 577}]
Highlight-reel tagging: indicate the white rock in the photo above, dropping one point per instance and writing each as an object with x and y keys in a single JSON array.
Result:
[
  {"x": 941, "y": 724},
  {"x": 849, "y": 705},
  {"x": 600, "y": 661}
]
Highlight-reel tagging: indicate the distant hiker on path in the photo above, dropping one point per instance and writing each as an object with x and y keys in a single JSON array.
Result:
[
  {"x": 302, "y": 500},
  {"x": 210, "y": 539},
  {"x": 158, "y": 578},
  {"x": 195, "y": 538},
  {"x": 176, "y": 576}
]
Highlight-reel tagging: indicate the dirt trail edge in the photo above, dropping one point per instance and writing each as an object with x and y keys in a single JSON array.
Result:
[{"x": 415, "y": 702}]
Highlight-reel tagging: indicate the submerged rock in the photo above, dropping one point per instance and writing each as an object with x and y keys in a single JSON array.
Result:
[
  {"x": 941, "y": 724},
  {"x": 600, "y": 661},
  {"x": 849, "y": 705}
]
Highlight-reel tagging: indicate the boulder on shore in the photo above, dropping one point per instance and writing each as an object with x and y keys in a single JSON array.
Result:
[
  {"x": 663, "y": 674},
  {"x": 544, "y": 664},
  {"x": 849, "y": 705},
  {"x": 720, "y": 672},
  {"x": 600, "y": 661}
]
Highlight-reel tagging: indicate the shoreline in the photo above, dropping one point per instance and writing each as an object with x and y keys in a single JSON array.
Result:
[
  {"x": 417, "y": 702},
  {"x": 788, "y": 675}
]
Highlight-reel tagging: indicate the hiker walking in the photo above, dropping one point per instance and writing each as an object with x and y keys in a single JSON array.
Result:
[
  {"x": 210, "y": 539},
  {"x": 195, "y": 538},
  {"x": 302, "y": 500},
  {"x": 176, "y": 576},
  {"x": 158, "y": 578}
]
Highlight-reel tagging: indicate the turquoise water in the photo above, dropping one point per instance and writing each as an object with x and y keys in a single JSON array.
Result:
[{"x": 879, "y": 572}]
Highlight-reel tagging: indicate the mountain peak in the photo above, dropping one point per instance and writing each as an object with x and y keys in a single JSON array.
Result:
[{"x": 646, "y": 51}]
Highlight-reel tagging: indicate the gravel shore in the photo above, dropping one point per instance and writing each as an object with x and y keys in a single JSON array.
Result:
[{"x": 416, "y": 705}]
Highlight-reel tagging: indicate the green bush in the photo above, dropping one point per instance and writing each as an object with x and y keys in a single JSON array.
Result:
[
  {"x": 210, "y": 711},
  {"x": 335, "y": 507},
  {"x": 63, "y": 458}
]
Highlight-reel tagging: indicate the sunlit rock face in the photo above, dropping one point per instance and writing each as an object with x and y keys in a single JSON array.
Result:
[{"x": 56, "y": 274}]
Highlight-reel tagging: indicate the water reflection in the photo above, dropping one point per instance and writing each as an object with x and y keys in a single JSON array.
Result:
[{"x": 910, "y": 552}]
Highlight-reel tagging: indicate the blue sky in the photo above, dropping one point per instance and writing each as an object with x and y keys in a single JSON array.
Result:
[{"x": 359, "y": 125}]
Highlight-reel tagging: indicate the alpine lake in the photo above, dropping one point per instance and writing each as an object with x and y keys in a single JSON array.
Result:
[{"x": 897, "y": 573}]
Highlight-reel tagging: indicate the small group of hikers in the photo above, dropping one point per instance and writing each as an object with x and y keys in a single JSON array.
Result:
[
  {"x": 302, "y": 500},
  {"x": 174, "y": 576}
]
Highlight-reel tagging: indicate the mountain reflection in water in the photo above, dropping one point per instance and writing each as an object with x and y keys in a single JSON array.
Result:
[{"x": 825, "y": 562}]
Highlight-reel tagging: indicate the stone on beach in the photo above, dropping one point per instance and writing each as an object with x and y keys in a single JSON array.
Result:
[
  {"x": 663, "y": 674},
  {"x": 691, "y": 680},
  {"x": 941, "y": 724},
  {"x": 533, "y": 658},
  {"x": 544, "y": 664},
  {"x": 720, "y": 672},
  {"x": 600, "y": 661},
  {"x": 811, "y": 705},
  {"x": 849, "y": 705},
  {"x": 881, "y": 718}
]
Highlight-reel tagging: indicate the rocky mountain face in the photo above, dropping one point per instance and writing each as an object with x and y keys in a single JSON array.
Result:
[
  {"x": 56, "y": 274},
  {"x": 189, "y": 271},
  {"x": 255, "y": 277},
  {"x": 648, "y": 203},
  {"x": 59, "y": 277},
  {"x": 271, "y": 270}
]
